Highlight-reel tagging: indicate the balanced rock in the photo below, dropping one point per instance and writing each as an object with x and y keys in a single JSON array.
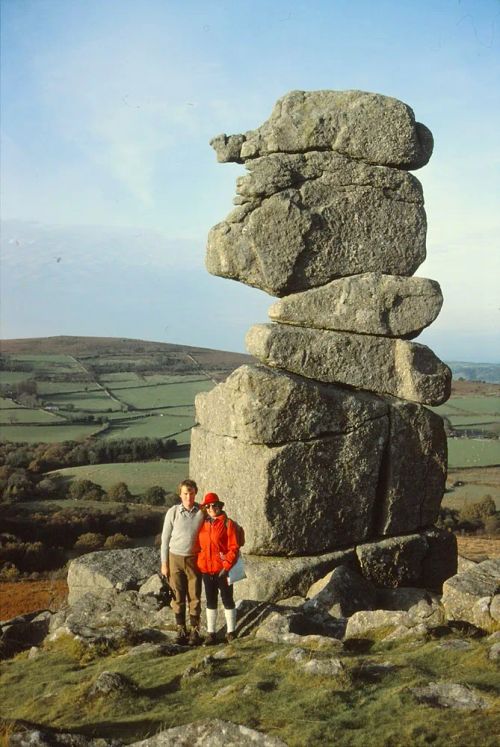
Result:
[
  {"x": 366, "y": 126},
  {"x": 372, "y": 304},
  {"x": 378, "y": 364},
  {"x": 287, "y": 497},
  {"x": 257, "y": 404},
  {"x": 306, "y": 219}
]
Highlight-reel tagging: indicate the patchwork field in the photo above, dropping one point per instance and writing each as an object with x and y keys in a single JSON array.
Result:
[
  {"x": 139, "y": 476},
  {"x": 60, "y": 397},
  {"x": 115, "y": 389}
]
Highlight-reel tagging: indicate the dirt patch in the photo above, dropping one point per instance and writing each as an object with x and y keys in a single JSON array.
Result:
[
  {"x": 479, "y": 548},
  {"x": 463, "y": 388},
  {"x": 20, "y": 597}
]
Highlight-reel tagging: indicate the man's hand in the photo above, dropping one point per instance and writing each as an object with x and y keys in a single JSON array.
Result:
[
  {"x": 223, "y": 573},
  {"x": 164, "y": 569}
]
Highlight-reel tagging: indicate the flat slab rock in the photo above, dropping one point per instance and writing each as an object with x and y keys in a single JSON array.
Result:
[
  {"x": 260, "y": 405},
  {"x": 303, "y": 220},
  {"x": 366, "y": 126},
  {"x": 120, "y": 570},
  {"x": 273, "y": 578},
  {"x": 210, "y": 733},
  {"x": 106, "y": 614},
  {"x": 389, "y": 366},
  {"x": 450, "y": 695},
  {"x": 370, "y": 303},
  {"x": 474, "y": 596},
  {"x": 425, "y": 559}
]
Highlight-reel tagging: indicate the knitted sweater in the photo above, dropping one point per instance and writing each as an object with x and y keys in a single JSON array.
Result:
[{"x": 180, "y": 531}]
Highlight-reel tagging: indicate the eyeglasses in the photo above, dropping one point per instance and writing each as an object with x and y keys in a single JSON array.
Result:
[{"x": 213, "y": 505}]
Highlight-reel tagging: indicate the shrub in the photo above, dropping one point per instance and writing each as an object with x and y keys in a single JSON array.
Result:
[
  {"x": 154, "y": 496},
  {"x": 120, "y": 493},
  {"x": 492, "y": 524},
  {"x": 89, "y": 541},
  {"x": 117, "y": 542},
  {"x": 80, "y": 490}
]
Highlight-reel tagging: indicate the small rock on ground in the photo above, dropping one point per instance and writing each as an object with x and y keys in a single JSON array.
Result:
[{"x": 450, "y": 695}]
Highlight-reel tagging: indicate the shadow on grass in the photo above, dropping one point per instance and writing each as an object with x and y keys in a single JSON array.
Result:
[
  {"x": 358, "y": 645},
  {"x": 166, "y": 689}
]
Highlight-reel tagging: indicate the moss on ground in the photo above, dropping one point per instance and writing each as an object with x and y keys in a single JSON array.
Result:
[{"x": 370, "y": 702}]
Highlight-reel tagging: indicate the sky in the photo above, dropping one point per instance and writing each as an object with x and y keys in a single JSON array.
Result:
[{"x": 109, "y": 186}]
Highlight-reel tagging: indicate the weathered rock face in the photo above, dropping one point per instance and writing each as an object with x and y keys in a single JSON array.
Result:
[
  {"x": 345, "y": 592},
  {"x": 372, "y": 304},
  {"x": 451, "y": 695},
  {"x": 414, "y": 471},
  {"x": 409, "y": 560},
  {"x": 275, "y": 578},
  {"x": 326, "y": 445},
  {"x": 116, "y": 569},
  {"x": 260, "y": 405},
  {"x": 366, "y": 126},
  {"x": 304, "y": 220},
  {"x": 474, "y": 596},
  {"x": 287, "y": 497},
  {"x": 377, "y": 364},
  {"x": 105, "y": 614},
  {"x": 210, "y": 733}
]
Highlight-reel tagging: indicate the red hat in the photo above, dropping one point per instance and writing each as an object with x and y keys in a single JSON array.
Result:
[{"x": 210, "y": 499}]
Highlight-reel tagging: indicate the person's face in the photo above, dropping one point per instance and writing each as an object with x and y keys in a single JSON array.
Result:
[
  {"x": 214, "y": 509},
  {"x": 187, "y": 496}
]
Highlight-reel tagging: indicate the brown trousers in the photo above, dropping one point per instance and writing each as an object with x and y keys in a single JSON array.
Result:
[{"x": 185, "y": 581}]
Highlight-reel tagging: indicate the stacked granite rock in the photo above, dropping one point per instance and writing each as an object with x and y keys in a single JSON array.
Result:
[{"x": 326, "y": 444}]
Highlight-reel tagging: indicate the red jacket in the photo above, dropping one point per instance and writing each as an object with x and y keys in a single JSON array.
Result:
[{"x": 219, "y": 545}]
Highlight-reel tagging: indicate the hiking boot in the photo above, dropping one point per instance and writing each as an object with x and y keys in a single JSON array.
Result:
[
  {"x": 194, "y": 637},
  {"x": 182, "y": 637},
  {"x": 230, "y": 637},
  {"x": 210, "y": 640}
]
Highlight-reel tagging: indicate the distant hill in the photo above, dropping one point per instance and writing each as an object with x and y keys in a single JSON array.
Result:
[
  {"x": 120, "y": 346},
  {"x": 489, "y": 372}
]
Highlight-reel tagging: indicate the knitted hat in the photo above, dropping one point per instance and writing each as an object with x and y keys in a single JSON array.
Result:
[{"x": 210, "y": 499}]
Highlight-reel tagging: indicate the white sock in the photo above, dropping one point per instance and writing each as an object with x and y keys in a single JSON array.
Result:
[
  {"x": 211, "y": 620},
  {"x": 230, "y": 616}
]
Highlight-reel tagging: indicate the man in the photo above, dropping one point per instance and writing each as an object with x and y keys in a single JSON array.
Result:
[{"x": 179, "y": 546}]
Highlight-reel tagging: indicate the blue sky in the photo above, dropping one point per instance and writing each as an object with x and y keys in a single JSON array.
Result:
[{"x": 107, "y": 110}]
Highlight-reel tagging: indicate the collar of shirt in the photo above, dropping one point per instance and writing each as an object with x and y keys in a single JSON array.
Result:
[{"x": 185, "y": 510}]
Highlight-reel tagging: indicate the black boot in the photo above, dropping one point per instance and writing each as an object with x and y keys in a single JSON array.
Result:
[{"x": 194, "y": 633}]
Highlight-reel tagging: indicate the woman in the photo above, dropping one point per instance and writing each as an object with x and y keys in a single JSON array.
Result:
[{"x": 218, "y": 553}]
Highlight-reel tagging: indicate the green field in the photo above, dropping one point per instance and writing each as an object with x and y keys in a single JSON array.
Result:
[
  {"x": 49, "y": 388},
  {"x": 47, "y": 434},
  {"x": 162, "y": 395},
  {"x": 474, "y": 404},
  {"x": 94, "y": 401},
  {"x": 139, "y": 476},
  {"x": 473, "y": 452},
  {"x": 14, "y": 377},
  {"x": 27, "y": 415},
  {"x": 157, "y": 425},
  {"x": 8, "y": 404}
]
